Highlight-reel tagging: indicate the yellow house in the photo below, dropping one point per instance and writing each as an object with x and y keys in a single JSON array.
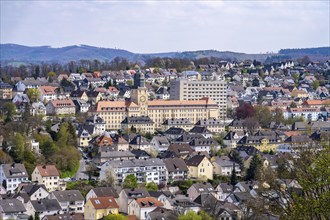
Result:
[
  {"x": 265, "y": 145},
  {"x": 200, "y": 167},
  {"x": 97, "y": 208}
]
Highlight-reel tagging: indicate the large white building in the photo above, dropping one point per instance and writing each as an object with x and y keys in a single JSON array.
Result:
[
  {"x": 148, "y": 170},
  {"x": 184, "y": 89}
]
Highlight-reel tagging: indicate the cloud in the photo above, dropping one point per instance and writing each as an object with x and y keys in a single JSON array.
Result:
[{"x": 150, "y": 26}]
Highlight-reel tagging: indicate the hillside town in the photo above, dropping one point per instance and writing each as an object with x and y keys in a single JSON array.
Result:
[{"x": 224, "y": 141}]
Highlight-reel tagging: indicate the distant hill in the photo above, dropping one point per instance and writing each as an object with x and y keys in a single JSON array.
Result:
[{"x": 13, "y": 53}]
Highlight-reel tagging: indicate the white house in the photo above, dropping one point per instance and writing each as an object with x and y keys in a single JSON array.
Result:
[
  {"x": 11, "y": 175},
  {"x": 141, "y": 207},
  {"x": 47, "y": 175}
]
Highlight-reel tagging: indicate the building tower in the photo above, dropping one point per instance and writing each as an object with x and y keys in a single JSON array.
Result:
[{"x": 139, "y": 93}]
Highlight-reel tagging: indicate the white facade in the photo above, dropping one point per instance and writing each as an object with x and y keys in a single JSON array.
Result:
[{"x": 13, "y": 180}]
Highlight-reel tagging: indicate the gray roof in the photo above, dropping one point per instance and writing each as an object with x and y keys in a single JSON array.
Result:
[
  {"x": 68, "y": 195},
  {"x": 14, "y": 170},
  {"x": 137, "y": 193},
  {"x": 115, "y": 154},
  {"x": 137, "y": 163},
  {"x": 224, "y": 161},
  {"x": 203, "y": 187},
  {"x": 46, "y": 205},
  {"x": 210, "y": 122},
  {"x": 137, "y": 120},
  {"x": 177, "y": 121},
  {"x": 12, "y": 206},
  {"x": 175, "y": 164},
  {"x": 105, "y": 191}
]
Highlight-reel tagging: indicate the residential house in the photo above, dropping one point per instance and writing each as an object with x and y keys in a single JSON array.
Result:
[
  {"x": 183, "y": 204},
  {"x": 176, "y": 169},
  {"x": 11, "y": 175},
  {"x": 60, "y": 107},
  {"x": 111, "y": 155},
  {"x": 223, "y": 166},
  {"x": 79, "y": 95},
  {"x": 85, "y": 134},
  {"x": 141, "y": 207},
  {"x": 38, "y": 108},
  {"x": 97, "y": 208},
  {"x": 47, "y": 175},
  {"x": 213, "y": 125},
  {"x": 12, "y": 209},
  {"x": 142, "y": 124},
  {"x": 224, "y": 190},
  {"x": 126, "y": 196},
  {"x": 43, "y": 207},
  {"x": 308, "y": 114},
  {"x": 6, "y": 91},
  {"x": 160, "y": 143},
  {"x": 68, "y": 216},
  {"x": 162, "y": 93},
  {"x": 47, "y": 93},
  {"x": 94, "y": 96},
  {"x": 198, "y": 189},
  {"x": 231, "y": 138},
  {"x": 139, "y": 142},
  {"x": 33, "y": 190},
  {"x": 81, "y": 105},
  {"x": 102, "y": 192},
  {"x": 183, "y": 123},
  {"x": 71, "y": 201},
  {"x": 200, "y": 167}
]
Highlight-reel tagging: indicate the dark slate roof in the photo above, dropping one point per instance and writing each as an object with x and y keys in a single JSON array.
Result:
[
  {"x": 161, "y": 213},
  {"x": 187, "y": 138},
  {"x": 15, "y": 170},
  {"x": 202, "y": 142},
  {"x": 88, "y": 128},
  {"x": 195, "y": 160},
  {"x": 77, "y": 93},
  {"x": 139, "y": 140},
  {"x": 177, "y": 121},
  {"x": 46, "y": 205},
  {"x": 298, "y": 139},
  {"x": 140, "y": 153},
  {"x": 105, "y": 192},
  {"x": 248, "y": 149},
  {"x": 12, "y": 206},
  {"x": 68, "y": 216},
  {"x": 175, "y": 164},
  {"x": 137, "y": 193},
  {"x": 68, "y": 195},
  {"x": 137, "y": 120},
  {"x": 93, "y": 94},
  {"x": 32, "y": 188},
  {"x": 226, "y": 187},
  {"x": 200, "y": 130},
  {"x": 210, "y": 122},
  {"x": 181, "y": 149},
  {"x": 205, "y": 199},
  {"x": 174, "y": 131}
]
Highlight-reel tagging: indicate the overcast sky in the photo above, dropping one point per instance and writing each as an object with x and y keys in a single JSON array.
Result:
[{"x": 148, "y": 26}]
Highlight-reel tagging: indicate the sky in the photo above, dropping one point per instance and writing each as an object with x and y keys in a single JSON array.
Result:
[{"x": 154, "y": 26}]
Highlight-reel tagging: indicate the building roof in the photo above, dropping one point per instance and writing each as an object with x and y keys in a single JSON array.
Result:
[
  {"x": 60, "y": 103},
  {"x": 148, "y": 202},
  {"x": 137, "y": 120},
  {"x": 14, "y": 170},
  {"x": 12, "y": 206},
  {"x": 108, "y": 202},
  {"x": 105, "y": 192},
  {"x": 175, "y": 164},
  {"x": 201, "y": 102},
  {"x": 195, "y": 160},
  {"x": 45, "y": 205},
  {"x": 136, "y": 193},
  {"x": 68, "y": 195},
  {"x": 48, "y": 170},
  {"x": 47, "y": 90},
  {"x": 67, "y": 216}
]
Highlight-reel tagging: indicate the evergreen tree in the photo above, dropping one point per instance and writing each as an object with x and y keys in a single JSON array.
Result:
[
  {"x": 233, "y": 177},
  {"x": 254, "y": 168}
]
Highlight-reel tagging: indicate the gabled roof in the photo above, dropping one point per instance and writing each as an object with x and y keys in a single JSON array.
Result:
[
  {"x": 48, "y": 170},
  {"x": 108, "y": 202},
  {"x": 195, "y": 160},
  {"x": 68, "y": 196},
  {"x": 12, "y": 206},
  {"x": 148, "y": 202},
  {"x": 14, "y": 170},
  {"x": 46, "y": 205},
  {"x": 105, "y": 192},
  {"x": 175, "y": 164}
]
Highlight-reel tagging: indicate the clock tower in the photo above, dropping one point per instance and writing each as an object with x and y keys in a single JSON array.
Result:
[{"x": 139, "y": 94}]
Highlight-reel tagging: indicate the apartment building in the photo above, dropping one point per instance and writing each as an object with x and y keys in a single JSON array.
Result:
[
  {"x": 6, "y": 91},
  {"x": 184, "y": 89},
  {"x": 145, "y": 170},
  {"x": 60, "y": 107}
]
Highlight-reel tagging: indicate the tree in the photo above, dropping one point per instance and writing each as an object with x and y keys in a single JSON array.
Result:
[
  {"x": 36, "y": 216},
  {"x": 237, "y": 159},
  {"x": 110, "y": 179},
  {"x": 151, "y": 186},
  {"x": 130, "y": 181},
  {"x": 51, "y": 76},
  {"x": 33, "y": 94},
  {"x": 9, "y": 109},
  {"x": 191, "y": 215},
  {"x": 244, "y": 111},
  {"x": 251, "y": 124},
  {"x": 313, "y": 175},
  {"x": 233, "y": 177},
  {"x": 115, "y": 217},
  {"x": 278, "y": 115},
  {"x": 133, "y": 129},
  {"x": 263, "y": 114},
  {"x": 293, "y": 105},
  {"x": 254, "y": 168},
  {"x": 17, "y": 150},
  {"x": 316, "y": 84}
]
